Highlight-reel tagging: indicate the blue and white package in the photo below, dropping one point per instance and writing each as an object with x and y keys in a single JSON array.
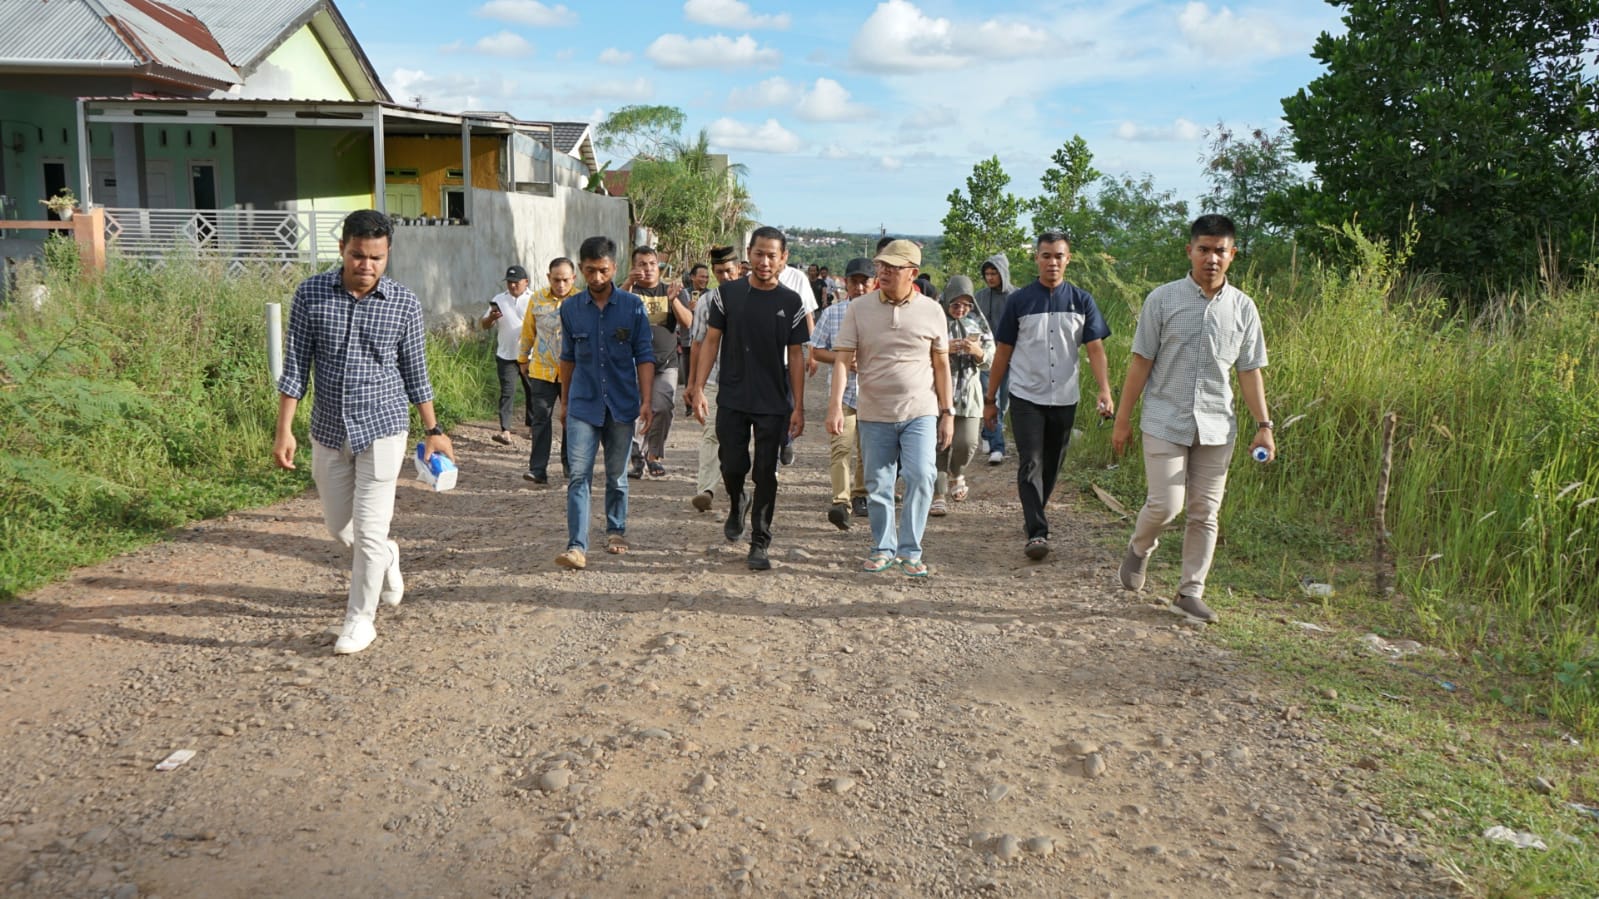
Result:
[
  {"x": 437, "y": 472},
  {"x": 1260, "y": 454}
]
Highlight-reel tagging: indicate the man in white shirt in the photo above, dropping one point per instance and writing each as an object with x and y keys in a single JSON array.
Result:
[{"x": 505, "y": 315}]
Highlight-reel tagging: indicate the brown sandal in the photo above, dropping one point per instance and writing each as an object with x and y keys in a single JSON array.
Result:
[{"x": 615, "y": 544}]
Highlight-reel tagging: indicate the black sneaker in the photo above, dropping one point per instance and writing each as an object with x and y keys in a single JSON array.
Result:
[
  {"x": 1037, "y": 548},
  {"x": 857, "y": 506},
  {"x": 535, "y": 478},
  {"x": 758, "y": 560},
  {"x": 838, "y": 514},
  {"x": 737, "y": 510},
  {"x": 635, "y": 471}
]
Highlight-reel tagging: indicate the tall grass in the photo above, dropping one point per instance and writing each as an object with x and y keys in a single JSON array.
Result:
[
  {"x": 142, "y": 401},
  {"x": 1494, "y": 505}
]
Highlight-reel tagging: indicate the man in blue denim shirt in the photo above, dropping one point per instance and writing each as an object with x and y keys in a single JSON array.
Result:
[{"x": 607, "y": 371}]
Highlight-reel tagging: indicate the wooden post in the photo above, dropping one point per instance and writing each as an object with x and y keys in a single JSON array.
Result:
[
  {"x": 1384, "y": 557},
  {"x": 88, "y": 227}
]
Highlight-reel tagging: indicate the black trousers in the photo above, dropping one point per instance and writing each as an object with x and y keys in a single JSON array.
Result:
[
  {"x": 510, "y": 373},
  {"x": 1042, "y": 433},
  {"x": 733, "y": 432},
  {"x": 544, "y": 395}
]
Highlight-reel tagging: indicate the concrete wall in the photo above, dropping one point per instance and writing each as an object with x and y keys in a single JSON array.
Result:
[{"x": 456, "y": 269}]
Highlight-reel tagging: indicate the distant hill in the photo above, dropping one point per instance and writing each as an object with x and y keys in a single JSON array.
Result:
[{"x": 834, "y": 248}]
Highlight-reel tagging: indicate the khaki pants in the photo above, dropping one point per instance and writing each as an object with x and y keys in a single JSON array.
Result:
[
  {"x": 357, "y": 491},
  {"x": 1188, "y": 479},
  {"x": 839, "y": 449},
  {"x": 710, "y": 473}
]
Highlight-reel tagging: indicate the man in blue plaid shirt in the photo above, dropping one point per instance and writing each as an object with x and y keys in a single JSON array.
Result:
[{"x": 362, "y": 334}]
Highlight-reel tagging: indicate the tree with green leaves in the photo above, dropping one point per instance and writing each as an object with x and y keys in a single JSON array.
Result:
[
  {"x": 982, "y": 221},
  {"x": 690, "y": 197},
  {"x": 1476, "y": 120},
  {"x": 640, "y": 132},
  {"x": 1065, "y": 204},
  {"x": 1243, "y": 169}
]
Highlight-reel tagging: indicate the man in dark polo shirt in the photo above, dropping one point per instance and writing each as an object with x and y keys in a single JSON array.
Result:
[{"x": 753, "y": 325}]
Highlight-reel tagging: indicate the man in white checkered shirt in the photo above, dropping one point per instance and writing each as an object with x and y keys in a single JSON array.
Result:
[
  {"x": 362, "y": 334},
  {"x": 1191, "y": 334}
]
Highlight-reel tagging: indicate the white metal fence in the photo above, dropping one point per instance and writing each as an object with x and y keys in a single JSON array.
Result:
[{"x": 240, "y": 236}]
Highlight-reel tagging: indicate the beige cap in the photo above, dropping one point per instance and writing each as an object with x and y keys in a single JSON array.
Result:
[{"x": 900, "y": 252}]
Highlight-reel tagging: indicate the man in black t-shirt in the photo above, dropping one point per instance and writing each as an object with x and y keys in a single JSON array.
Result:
[{"x": 754, "y": 324}]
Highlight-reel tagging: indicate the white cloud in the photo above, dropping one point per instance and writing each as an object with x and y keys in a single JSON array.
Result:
[
  {"x": 828, "y": 101},
  {"x": 611, "y": 56},
  {"x": 899, "y": 37},
  {"x": 936, "y": 116},
  {"x": 504, "y": 43},
  {"x": 834, "y": 151},
  {"x": 623, "y": 89},
  {"x": 1221, "y": 32},
  {"x": 769, "y": 137},
  {"x": 449, "y": 93},
  {"x": 890, "y": 164},
  {"x": 527, "y": 12},
  {"x": 674, "y": 51},
  {"x": 1179, "y": 130},
  {"x": 774, "y": 91},
  {"x": 731, "y": 14}
]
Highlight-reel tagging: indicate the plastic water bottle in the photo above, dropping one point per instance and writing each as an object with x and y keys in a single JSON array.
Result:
[{"x": 1259, "y": 454}]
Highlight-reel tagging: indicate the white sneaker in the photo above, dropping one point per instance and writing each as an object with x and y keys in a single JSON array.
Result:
[
  {"x": 356, "y": 636},
  {"x": 393, "y": 581},
  {"x": 996, "y": 457}
]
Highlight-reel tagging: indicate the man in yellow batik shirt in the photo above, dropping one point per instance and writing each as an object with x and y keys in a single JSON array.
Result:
[{"x": 539, "y": 355}]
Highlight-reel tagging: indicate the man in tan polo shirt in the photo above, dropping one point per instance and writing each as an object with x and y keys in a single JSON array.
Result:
[{"x": 897, "y": 340}]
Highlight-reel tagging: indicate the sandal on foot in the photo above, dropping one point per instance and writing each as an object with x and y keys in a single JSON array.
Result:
[
  {"x": 615, "y": 544},
  {"x": 913, "y": 567},
  {"x": 878, "y": 561},
  {"x": 958, "y": 489}
]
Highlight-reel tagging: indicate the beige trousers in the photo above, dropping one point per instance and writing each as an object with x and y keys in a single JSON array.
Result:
[
  {"x": 848, "y": 481},
  {"x": 357, "y": 491},
  {"x": 710, "y": 473},
  {"x": 1188, "y": 479}
]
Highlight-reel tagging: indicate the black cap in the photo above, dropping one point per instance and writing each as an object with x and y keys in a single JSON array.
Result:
[
  {"x": 516, "y": 273},
  {"x": 860, "y": 265}
]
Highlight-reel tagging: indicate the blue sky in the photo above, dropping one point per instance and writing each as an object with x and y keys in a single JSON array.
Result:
[{"x": 857, "y": 115}]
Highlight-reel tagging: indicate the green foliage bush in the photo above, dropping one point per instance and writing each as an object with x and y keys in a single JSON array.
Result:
[{"x": 142, "y": 401}]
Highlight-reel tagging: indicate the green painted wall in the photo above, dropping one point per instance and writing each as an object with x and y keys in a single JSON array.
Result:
[
  {"x": 31, "y": 129},
  {"x": 180, "y": 145},
  {"x": 334, "y": 168}
]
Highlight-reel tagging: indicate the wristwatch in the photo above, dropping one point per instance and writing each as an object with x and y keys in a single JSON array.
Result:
[
  {"x": 949, "y": 412},
  {"x": 435, "y": 431},
  {"x": 1266, "y": 425}
]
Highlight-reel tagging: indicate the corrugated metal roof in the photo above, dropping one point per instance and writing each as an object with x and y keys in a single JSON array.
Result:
[
  {"x": 248, "y": 31},
  {"x": 40, "y": 31},
  {"x": 173, "y": 38},
  {"x": 135, "y": 35}
]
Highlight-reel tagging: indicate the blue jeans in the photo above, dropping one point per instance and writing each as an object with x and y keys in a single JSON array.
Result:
[
  {"x": 913, "y": 446},
  {"x": 581, "y": 443},
  {"x": 996, "y": 437}
]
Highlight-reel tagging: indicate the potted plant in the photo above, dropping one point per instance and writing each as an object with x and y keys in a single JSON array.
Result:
[{"x": 63, "y": 204}]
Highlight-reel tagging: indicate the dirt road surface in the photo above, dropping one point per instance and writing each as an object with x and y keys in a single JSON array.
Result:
[{"x": 665, "y": 723}]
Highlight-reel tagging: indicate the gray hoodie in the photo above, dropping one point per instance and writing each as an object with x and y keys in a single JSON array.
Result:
[{"x": 991, "y": 302}]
